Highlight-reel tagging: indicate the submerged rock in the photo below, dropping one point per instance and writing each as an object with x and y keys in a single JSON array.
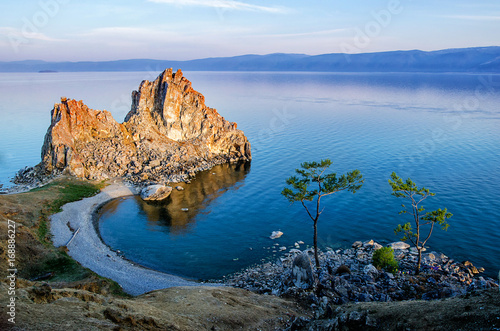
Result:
[
  {"x": 155, "y": 192},
  {"x": 276, "y": 234}
]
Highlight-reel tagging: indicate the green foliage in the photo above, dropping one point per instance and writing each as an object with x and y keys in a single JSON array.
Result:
[
  {"x": 313, "y": 173},
  {"x": 383, "y": 258},
  {"x": 409, "y": 191},
  {"x": 71, "y": 192},
  {"x": 58, "y": 262},
  {"x": 311, "y": 183},
  {"x": 65, "y": 268},
  {"x": 68, "y": 192}
]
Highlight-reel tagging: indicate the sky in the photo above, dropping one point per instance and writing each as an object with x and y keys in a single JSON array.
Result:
[{"x": 71, "y": 30}]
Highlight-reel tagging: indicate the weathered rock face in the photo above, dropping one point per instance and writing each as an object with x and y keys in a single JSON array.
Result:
[
  {"x": 168, "y": 135},
  {"x": 156, "y": 192}
]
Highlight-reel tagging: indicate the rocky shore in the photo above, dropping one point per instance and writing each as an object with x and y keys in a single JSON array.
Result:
[{"x": 348, "y": 276}]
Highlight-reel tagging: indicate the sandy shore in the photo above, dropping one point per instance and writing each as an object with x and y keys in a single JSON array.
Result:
[{"x": 88, "y": 249}]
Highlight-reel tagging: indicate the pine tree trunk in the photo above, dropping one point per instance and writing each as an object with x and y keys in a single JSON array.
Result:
[
  {"x": 316, "y": 258},
  {"x": 419, "y": 259}
]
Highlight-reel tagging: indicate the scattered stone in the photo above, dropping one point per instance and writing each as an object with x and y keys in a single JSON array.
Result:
[
  {"x": 276, "y": 234},
  {"x": 155, "y": 192},
  {"x": 347, "y": 275},
  {"x": 414, "y": 250},
  {"x": 357, "y": 244},
  {"x": 343, "y": 269},
  {"x": 184, "y": 209},
  {"x": 370, "y": 269},
  {"x": 368, "y": 243},
  {"x": 179, "y": 188},
  {"x": 154, "y": 163}
]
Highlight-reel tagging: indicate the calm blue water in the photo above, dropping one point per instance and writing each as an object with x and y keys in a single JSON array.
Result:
[{"x": 441, "y": 130}]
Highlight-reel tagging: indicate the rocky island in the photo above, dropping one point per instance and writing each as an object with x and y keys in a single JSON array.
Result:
[{"x": 168, "y": 135}]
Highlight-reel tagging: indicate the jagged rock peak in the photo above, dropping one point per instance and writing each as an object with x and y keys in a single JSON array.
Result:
[
  {"x": 168, "y": 135},
  {"x": 171, "y": 106}
]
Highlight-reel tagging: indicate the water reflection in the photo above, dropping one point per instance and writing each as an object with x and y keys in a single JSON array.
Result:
[{"x": 169, "y": 216}]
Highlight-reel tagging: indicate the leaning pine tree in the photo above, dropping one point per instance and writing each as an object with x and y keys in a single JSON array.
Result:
[
  {"x": 408, "y": 190},
  {"x": 312, "y": 184}
]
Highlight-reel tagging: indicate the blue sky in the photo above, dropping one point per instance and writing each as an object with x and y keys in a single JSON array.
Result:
[{"x": 71, "y": 30}]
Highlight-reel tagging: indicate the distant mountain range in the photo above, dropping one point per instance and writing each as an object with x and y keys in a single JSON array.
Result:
[{"x": 477, "y": 59}]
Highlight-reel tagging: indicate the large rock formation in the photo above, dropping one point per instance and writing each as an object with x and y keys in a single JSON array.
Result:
[{"x": 168, "y": 135}]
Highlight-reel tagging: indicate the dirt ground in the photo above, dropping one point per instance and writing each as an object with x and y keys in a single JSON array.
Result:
[
  {"x": 473, "y": 311},
  {"x": 180, "y": 308}
]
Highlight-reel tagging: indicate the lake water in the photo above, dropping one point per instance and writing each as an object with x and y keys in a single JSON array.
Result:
[{"x": 442, "y": 130}]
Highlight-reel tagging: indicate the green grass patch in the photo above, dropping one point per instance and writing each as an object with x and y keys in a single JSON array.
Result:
[
  {"x": 71, "y": 192},
  {"x": 65, "y": 268},
  {"x": 60, "y": 264},
  {"x": 59, "y": 193},
  {"x": 43, "y": 230}
]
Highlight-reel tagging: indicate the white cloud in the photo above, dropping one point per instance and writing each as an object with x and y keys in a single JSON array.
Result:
[
  {"x": 10, "y": 32},
  {"x": 474, "y": 17},
  {"x": 222, "y": 4},
  {"x": 309, "y": 34}
]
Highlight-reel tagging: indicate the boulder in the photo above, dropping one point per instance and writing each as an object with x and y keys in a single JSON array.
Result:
[
  {"x": 370, "y": 269},
  {"x": 368, "y": 243},
  {"x": 343, "y": 269},
  {"x": 155, "y": 192},
  {"x": 302, "y": 272},
  {"x": 399, "y": 245}
]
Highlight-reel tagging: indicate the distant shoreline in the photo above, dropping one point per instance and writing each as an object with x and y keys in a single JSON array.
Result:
[{"x": 460, "y": 60}]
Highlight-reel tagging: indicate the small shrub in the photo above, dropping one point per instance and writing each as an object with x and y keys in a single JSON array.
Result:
[{"x": 384, "y": 259}]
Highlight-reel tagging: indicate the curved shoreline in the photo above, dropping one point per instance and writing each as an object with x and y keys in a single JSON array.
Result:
[{"x": 87, "y": 248}]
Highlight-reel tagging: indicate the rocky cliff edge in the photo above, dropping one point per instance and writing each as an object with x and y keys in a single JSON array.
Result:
[{"x": 167, "y": 136}]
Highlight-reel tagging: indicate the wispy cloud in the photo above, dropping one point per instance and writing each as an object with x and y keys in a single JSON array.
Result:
[
  {"x": 474, "y": 17},
  {"x": 308, "y": 34},
  {"x": 17, "y": 33},
  {"x": 223, "y": 4}
]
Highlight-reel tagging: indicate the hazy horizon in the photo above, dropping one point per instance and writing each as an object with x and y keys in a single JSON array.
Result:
[
  {"x": 181, "y": 30},
  {"x": 248, "y": 54}
]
